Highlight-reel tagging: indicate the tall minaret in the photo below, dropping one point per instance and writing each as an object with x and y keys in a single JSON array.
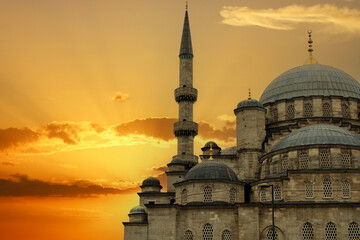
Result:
[{"x": 185, "y": 129}]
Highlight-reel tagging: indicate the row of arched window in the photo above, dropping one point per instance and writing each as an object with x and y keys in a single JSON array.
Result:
[
  {"x": 207, "y": 195},
  {"x": 327, "y": 187},
  {"x": 304, "y": 160},
  {"x": 208, "y": 233},
  {"x": 308, "y": 110}
]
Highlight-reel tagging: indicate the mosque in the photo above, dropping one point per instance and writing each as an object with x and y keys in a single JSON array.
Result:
[{"x": 297, "y": 161}]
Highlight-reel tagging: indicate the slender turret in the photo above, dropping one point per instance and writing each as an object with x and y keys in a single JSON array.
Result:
[{"x": 185, "y": 129}]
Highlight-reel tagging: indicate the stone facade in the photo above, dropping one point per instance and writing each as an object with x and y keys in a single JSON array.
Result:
[{"x": 299, "y": 145}]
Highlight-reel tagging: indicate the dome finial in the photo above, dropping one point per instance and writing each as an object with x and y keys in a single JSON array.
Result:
[
  {"x": 249, "y": 93},
  {"x": 186, "y": 6},
  {"x": 311, "y": 59},
  {"x": 211, "y": 152}
]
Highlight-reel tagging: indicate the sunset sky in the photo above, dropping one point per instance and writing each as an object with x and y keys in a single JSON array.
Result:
[{"x": 87, "y": 95}]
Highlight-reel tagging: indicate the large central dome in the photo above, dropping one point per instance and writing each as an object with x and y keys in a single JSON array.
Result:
[{"x": 311, "y": 80}]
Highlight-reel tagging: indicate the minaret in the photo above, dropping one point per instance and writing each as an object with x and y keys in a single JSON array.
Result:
[{"x": 185, "y": 129}]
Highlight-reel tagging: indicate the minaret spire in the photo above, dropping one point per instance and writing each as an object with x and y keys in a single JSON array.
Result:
[
  {"x": 185, "y": 95},
  {"x": 311, "y": 59}
]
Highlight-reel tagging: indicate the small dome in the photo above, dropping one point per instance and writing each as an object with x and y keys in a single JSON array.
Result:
[
  {"x": 151, "y": 181},
  {"x": 211, "y": 170},
  {"x": 311, "y": 80},
  {"x": 319, "y": 134},
  {"x": 249, "y": 103},
  {"x": 213, "y": 145},
  {"x": 177, "y": 161},
  {"x": 137, "y": 209}
]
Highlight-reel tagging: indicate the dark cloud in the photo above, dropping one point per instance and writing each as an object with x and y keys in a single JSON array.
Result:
[
  {"x": 160, "y": 128},
  {"x": 22, "y": 185},
  {"x": 8, "y": 164},
  {"x": 227, "y": 133},
  {"x": 120, "y": 97},
  {"x": 14, "y": 137},
  {"x": 67, "y": 132}
]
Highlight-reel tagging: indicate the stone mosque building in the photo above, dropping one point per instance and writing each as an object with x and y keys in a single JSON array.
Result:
[{"x": 298, "y": 145}]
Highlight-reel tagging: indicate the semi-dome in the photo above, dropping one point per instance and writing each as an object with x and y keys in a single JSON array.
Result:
[
  {"x": 151, "y": 181},
  {"x": 138, "y": 209},
  {"x": 211, "y": 144},
  {"x": 211, "y": 170},
  {"x": 311, "y": 80},
  {"x": 249, "y": 103},
  {"x": 319, "y": 134}
]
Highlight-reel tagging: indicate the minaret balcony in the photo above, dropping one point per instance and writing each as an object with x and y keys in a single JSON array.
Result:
[
  {"x": 185, "y": 94},
  {"x": 185, "y": 128}
]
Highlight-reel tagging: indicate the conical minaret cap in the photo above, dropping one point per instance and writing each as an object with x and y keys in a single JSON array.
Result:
[{"x": 186, "y": 46}]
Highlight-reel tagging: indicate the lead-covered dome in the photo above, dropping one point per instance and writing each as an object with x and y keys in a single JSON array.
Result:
[
  {"x": 319, "y": 134},
  {"x": 211, "y": 170},
  {"x": 311, "y": 80},
  {"x": 137, "y": 210},
  {"x": 249, "y": 103},
  {"x": 151, "y": 181}
]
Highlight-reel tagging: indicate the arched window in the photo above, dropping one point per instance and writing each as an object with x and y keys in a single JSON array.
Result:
[
  {"x": 188, "y": 235},
  {"x": 307, "y": 231},
  {"x": 326, "y": 109},
  {"x": 269, "y": 235},
  {"x": 232, "y": 194},
  {"x": 277, "y": 193},
  {"x": 304, "y": 159},
  {"x": 226, "y": 235},
  {"x": 327, "y": 187},
  {"x": 345, "y": 110},
  {"x": 325, "y": 160},
  {"x": 285, "y": 162},
  {"x": 345, "y": 158},
  {"x": 290, "y": 112},
  {"x": 274, "y": 113},
  {"x": 262, "y": 194},
  {"x": 207, "y": 194},
  {"x": 330, "y": 231},
  {"x": 184, "y": 196},
  {"x": 345, "y": 189},
  {"x": 207, "y": 232},
  {"x": 309, "y": 190},
  {"x": 308, "y": 110},
  {"x": 354, "y": 231}
]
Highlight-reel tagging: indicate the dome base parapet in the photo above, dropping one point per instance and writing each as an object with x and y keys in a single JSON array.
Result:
[
  {"x": 185, "y": 94},
  {"x": 185, "y": 128}
]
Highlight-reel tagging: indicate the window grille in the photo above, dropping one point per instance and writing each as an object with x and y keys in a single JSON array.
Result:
[
  {"x": 226, "y": 235},
  {"x": 277, "y": 192},
  {"x": 345, "y": 110},
  {"x": 309, "y": 190},
  {"x": 325, "y": 158},
  {"x": 345, "y": 158},
  {"x": 307, "y": 231},
  {"x": 354, "y": 231},
  {"x": 285, "y": 162},
  {"x": 330, "y": 231},
  {"x": 232, "y": 195},
  {"x": 290, "y": 112},
  {"x": 304, "y": 159},
  {"x": 269, "y": 235},
  {"x": 326, "y": 109},
  {"x": 184, "y": 196},
  {"x": 188, "y": 235},
  {"x": 308, "y": 110},
  {"x": 345, "y": 189},
  {"x": 262, "y": 194},
  {"x": 275, "y": 115},
  {"x": 207, "y": 194},
  {"x": 327, "y": 187},
  {"x": 208, "y": 232}
]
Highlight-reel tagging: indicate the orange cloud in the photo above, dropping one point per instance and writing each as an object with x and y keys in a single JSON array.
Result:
[
  {"x": 120, "y": 97},
  {"x": 22, "y": 185},
  {"x": 226, "y": 134},
  {"x": 8, "y": 164},
  {"x": 68, "y": 132},
  {"x": 13, "y": 137}
]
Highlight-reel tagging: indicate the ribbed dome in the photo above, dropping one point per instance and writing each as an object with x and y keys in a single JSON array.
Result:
[
  {"x": 213, "y": 145},
  {"x": 249, "y": 103},
  {"x": 211, "y": 170},
  {"x": 137, "y": 209},
  {"x": 311, "y": 80},
  {"x": 151, "y": 181},
  {"x": 319, "y": 134}
]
